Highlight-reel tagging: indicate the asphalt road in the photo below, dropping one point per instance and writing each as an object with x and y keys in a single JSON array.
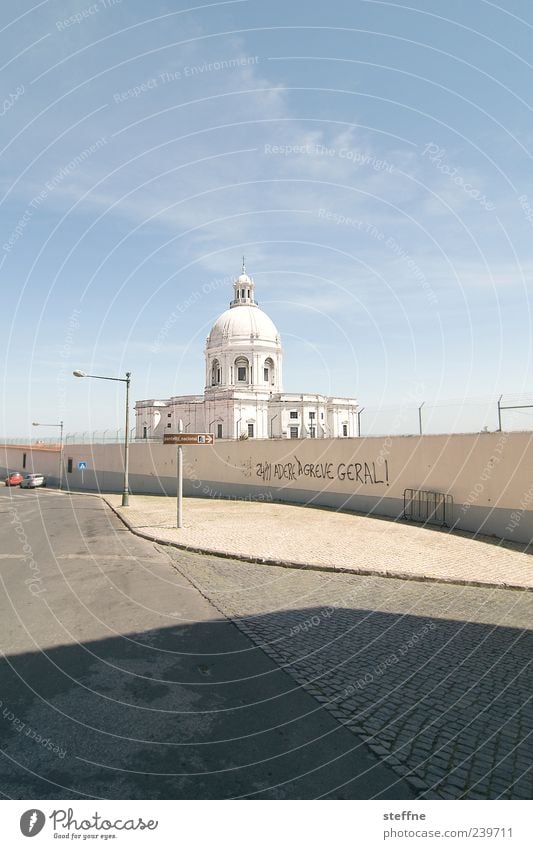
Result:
[{"x": 121, "y": 680}]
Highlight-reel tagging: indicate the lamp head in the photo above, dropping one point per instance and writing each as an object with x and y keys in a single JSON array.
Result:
[{"x": 78, "y": 373}]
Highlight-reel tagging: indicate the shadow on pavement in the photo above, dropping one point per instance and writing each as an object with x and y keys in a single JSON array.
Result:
[
  {"x": 190, "y": 711},
  {"x": 200, "y": 711}
]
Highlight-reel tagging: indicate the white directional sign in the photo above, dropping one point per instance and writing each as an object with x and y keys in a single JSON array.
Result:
[
  {"x": 188, "y": 438},
  {"x": 82, "y": 465}
]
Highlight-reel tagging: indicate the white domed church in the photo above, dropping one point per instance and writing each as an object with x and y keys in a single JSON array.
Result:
[{"x": 243, "y": 396}]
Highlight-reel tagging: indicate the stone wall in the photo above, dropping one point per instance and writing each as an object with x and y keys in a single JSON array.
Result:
[{"x": 489, "y": 475}]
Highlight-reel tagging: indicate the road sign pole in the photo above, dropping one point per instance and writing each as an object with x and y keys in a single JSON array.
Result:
[
  {"x": 180, "y": 478},
  {"x": 180, "y": 486}
]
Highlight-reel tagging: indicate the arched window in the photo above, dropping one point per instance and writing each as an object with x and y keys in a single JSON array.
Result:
[
  {"x": 242, "y": 370},
  {"x": 216, "y": 373},
  {"x": 268, "y": 370}
]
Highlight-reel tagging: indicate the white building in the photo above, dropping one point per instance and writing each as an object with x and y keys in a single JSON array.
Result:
[{"x": 243, "y": 395}]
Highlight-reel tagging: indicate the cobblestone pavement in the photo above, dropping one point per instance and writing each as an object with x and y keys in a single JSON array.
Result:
[
  {"x": 435, "y": 678},
  {"x": 281, "y": 533}
]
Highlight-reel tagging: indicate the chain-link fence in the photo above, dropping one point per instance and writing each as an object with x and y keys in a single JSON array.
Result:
[
  {"x": 471, "y": 415},
  {"x": 86, "y": 437},
  {"x": 506, "y": 412}
]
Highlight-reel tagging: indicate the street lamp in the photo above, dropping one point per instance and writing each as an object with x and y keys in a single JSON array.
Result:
[
  {"x": 126, "y": 380},
  {"x": 60, "y": 425}
]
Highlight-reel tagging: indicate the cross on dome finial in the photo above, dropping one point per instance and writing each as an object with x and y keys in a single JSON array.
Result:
[{"x": 243, "y": 266}]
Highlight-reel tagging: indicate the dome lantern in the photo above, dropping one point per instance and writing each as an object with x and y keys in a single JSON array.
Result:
[{"x": 243, "y": 288}]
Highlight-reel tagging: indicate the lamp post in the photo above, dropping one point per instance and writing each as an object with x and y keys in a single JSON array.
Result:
[
  {"x": 60, "y": 425},
  {"x": 126, "y": 380}
]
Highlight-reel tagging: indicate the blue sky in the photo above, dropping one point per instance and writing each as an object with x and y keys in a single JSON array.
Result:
[{"x": 371, "y": 159}]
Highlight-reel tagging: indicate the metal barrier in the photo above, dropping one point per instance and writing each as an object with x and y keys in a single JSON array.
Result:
[{"x": 432, "y": 508}]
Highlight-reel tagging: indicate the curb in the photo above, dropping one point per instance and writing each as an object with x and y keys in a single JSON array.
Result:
[{"x": 288, "y": 564}]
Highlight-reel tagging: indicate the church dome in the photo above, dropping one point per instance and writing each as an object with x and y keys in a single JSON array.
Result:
[
  {"x": 243, "y": 323},
  {"x": 243, "y": 351}
]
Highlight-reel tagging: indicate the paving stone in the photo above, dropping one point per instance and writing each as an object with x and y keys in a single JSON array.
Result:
[
  {"x": 280, "y": 532},
  {"x": 434, "y": 711}
]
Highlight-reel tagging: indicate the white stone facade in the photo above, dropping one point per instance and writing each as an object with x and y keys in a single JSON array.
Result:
[{"x": 243, "y": 395}]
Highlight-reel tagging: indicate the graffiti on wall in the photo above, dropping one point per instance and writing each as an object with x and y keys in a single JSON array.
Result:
[{"x": 364, "y": 473}]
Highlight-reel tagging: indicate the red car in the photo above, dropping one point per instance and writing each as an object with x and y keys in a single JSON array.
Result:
[{"x": 14, "y": 479}]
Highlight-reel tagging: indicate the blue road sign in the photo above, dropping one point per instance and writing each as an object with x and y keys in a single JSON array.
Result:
[{"x": 82, "y": 465}]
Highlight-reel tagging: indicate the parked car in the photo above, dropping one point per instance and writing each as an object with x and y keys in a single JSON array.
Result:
[
  {"x": 14, "y": 478},
  {"x": 32, "y": 481}
]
